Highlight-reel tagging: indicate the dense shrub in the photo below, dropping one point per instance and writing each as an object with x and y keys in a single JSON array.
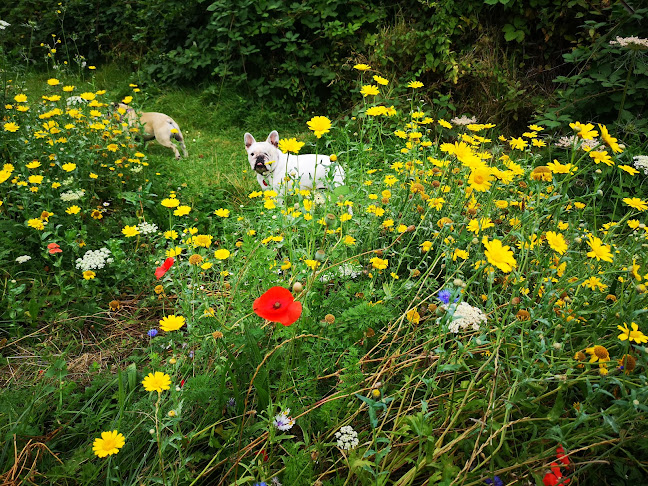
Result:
[{"x": 495, "y": 57}]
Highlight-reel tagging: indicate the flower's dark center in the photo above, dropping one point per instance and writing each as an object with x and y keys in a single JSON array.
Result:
[{"x": 277, "y": 305}]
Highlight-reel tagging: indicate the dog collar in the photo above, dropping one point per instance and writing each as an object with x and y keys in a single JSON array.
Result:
[{"x": 265, "y": 183}]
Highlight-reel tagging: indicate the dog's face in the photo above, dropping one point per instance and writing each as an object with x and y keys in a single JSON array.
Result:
[{"x": 263, "y": 156}]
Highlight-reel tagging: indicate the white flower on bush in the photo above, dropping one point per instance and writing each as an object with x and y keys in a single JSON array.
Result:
[
  {"x": 94, "y": 260},
  {"x": 282, "y": 421},
  {"x": 4, "y": 25},
  {"x": 347, "y": 438},
  {"x": 23, "y": 258},
  {"x": 464, "y": 316}
]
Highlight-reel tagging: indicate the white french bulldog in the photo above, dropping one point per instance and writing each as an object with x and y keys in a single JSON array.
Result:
[{"x": 282, "y": 172}]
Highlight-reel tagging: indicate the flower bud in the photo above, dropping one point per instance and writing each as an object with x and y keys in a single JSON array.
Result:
[
  {"x": 297, "y": 287},
  {"x": 320, "y": 255}
]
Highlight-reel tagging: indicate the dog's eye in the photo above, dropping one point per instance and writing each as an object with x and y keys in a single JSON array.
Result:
[{"x": 252, "y": 154}]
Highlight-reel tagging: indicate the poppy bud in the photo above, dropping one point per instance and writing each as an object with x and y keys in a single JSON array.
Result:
[
  {"x": 320, "y": 255},
  {"x": 297, "y": 287}
]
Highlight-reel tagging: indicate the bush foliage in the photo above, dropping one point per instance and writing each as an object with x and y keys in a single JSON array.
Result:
[{"x": 494, "y": 58}]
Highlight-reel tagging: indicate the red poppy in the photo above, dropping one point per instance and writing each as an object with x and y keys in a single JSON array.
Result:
[
  {"x": 278, "y": 305},
  {"x": 164, "y": 268},
  {"x": 555, "y": 477},
  {"x": 560, "y": 454},
  {"x": 54, "y": 248}
]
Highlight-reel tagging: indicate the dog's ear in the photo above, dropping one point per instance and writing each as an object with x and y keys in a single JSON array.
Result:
[
  {"x": 273, "y": 138},
  {"x": 249, "y": 140}
]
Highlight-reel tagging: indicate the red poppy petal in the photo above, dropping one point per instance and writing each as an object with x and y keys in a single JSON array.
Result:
[
  {"x": 556, "y": 470},
  {"x": 550, "y": 480},
  {"x": 168, "y": 263},
  {"x": 292, "y": 314}
]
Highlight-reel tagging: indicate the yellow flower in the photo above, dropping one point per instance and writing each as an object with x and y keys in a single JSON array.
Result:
[
  {"x": 222, "y": 254},
  {"x": 69, "y": 167},
  {"x": 130, "y": 231},
  {"x": 223, "y": 213},
  {"x": 349, "y": 240},
  {"x": 594, "y": 283},
  {"x": 170, "y": 235},
  {"x": 609, "y": 140},
  {"x": 182, "y": 210},
  {"x": 320, "y": 125},
  {"x": 415, "y": 85},
  {"x": 170, "y": 203},
  {"x": 426, "y": 246},
  {"x": 636, "y": 203},
  {"x": 36, "y": 224},
  {"x": 499, "y": 255},
  {"x": 599, "y": 250},
  {"x": 11, "y": 127},
  {"x": 89, "y": 275},
  {"x": 586, "y": 132},
  {"x": 73, "y": 210},
  {"x": 632, "y": 335},
  {"x": 35, "y": 179},
  {"x": 312, "y": 264},
  {"x": 599, "y": 353},
  {"x": 379, "y": 263},
  {"x": 629, "y": 169},
  {"x": 108, "y": 444},
  {"x": 290, "y": 145},
  {"x": 413, "y": 316},
  {"x": 380, "y": 80},
  {"x": 557, "y": 242},
  {"x": 53, "y": 81},
  {"x": 172, "y": 323},
  {"x": 20, "y": 98},
  {"x": 157, "y": 381},
  {"x": 362, "y": 67},
  {"x": 369, "y": 90}
]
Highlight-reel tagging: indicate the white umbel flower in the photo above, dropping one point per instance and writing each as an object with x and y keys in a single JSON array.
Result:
[
  {"x": 147, "y": 228},
  {"x": 23, "y": 258},
  {"x": 464, "y": 316},
  {"x": 641, "y": 162},
  {"x": 347, "y": 438},
  {"x": 94, "y": 259}
]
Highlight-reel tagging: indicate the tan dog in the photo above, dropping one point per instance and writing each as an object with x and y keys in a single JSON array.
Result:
[{"x": 157, "y": 126}]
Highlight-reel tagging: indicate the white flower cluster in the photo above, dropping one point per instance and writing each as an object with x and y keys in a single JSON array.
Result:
[
  {"x": 464, "y": 316},
  {"x": 632, "y": 42},
  {"x": 4, "y": 25},
  {"x": 137, "y": 168},
  {"x": 147, "y": 228},
  {"x": 23, "y": 258},
  {"x": 347, "y": 438},
  {"x": 74, "y": 100},
  {"x": 94, "y": 259},
  {"x": 570, "y": 141},
  {"x": 464, "y": 120},
  {"x": 72, "y": 195},
  {"x": 641, "y": 162},
  {"x": 282, "y": 421},
  {"x": 343, "y": 270}
]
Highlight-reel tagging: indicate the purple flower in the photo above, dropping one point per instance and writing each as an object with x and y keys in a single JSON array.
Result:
[
  {"x": 444, "y": 296},
  {"x": 152, "y": 333},
  {"x": 496, "y": 481}
]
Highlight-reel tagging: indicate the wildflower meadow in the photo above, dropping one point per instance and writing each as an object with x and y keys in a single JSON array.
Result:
[{"x": 469, "y": 307}]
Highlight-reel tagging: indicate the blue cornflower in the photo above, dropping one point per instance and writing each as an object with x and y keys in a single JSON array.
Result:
[
  {"x": 262, "y": 483},
  {"x": 152, "y": 333},
  {"x": 444, "y": 296},
  {"x": 496, "y": 481}
]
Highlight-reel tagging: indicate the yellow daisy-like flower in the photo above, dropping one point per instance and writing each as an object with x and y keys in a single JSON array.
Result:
[
  {"x": 426, "y": 246},
  {"x": 290, "y": 145},
  {"x": 223, "y": 213},
  {"x": 381, "y": 80},
  {"x": 20, "y": 98},
  {"x": 312, "y": 264},
  {"x": 108, "y": 444},
  {"x": 157, "y": 381},
  {"x": 362, "y": 67},
  {"x": 369, "y": 90},
  {"x": 349, "y": 240},
  {"x": 586, "y": 132},
  {"x": 632, "y": 335},
  {"x": 609, "y": 140},
  {"x": 413, "y": 316},
  {"x": 170, "y": 203},
  {"x": 53, "y": 81},
  {"x": 73, "y": 210},
  {"x": 89, "y": 275},
  {"x": 415, "y": 84},
  {"x": 130, "y": 231},
  {"x": 69, "y": 167},
  {"x": 182, "y": 210},
  {"x": 319, "y": 125},
  {"x": 36, "y": 223},
  {"x": 222, "y": 254},
  {"x": 557, "y": 242},
  {"x": 480, "y": 179},
  {"x": 499, "y": 255},
  {"x": 172, "y": 323},
  {"x": 599, "y": 353},
  {"x": 599, "y": 250},
  {"x": 636, "y": 203},
  {"x": 11, "y": 127},
  {"x": 379, "y": 263}
]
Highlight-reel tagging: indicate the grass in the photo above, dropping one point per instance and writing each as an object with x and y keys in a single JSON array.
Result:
[{"x": 374, "y": 348}]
